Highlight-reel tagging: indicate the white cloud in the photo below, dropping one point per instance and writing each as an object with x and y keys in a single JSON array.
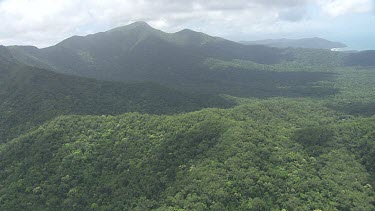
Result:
[
  {"x": 45, "y": 22},
  {"x": 336, "y": 8}
]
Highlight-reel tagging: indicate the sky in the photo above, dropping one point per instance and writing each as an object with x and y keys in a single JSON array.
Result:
[{"x": 44, "y": 23}]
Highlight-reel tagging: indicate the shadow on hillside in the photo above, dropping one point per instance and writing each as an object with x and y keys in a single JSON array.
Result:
[
  {"x": 357, "y": 109},
  {"x": 263, "y": 84},
  {"x": 315, "y": 140}
]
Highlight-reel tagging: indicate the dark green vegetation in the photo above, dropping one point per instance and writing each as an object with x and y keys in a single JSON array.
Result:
[
  {"x": 364, "y": 58},
  {"x": 30, "y": 96},
  {"x": 299, "y": 134},
  {"x": 310, "y": 43}
]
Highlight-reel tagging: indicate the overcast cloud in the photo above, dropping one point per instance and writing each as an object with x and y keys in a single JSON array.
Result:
[{"x": 46, "y": 22}]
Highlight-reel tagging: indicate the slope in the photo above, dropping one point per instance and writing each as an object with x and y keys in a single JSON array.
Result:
[
  {"x": 138, "y": 52},
  {"x": 364, "y": 58},
  {"x": 29, "y": 96},
  {"x": 312, "y": 43},
  {"x": 259, "y": 156}
]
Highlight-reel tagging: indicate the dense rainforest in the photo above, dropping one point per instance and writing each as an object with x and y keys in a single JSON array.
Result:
[
  {"x": 30, "y": 96},
  {"x": 138, "y": 119}
]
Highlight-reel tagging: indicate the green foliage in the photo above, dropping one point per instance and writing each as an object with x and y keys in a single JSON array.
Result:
[
  {"x": 30, "y": 96},
  {"x": 244, "y": 158},
  {"x": 357, "y": 91},
  {"x": 315, "y": 139}
]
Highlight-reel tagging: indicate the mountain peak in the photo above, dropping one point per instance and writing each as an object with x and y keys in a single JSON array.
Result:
[
  {"x": 140, "y": 24},
  {"x": 185, "y": 31},
  {"x": 136, "y": 25}
]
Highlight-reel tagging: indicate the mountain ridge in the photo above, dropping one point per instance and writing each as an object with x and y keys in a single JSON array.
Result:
[
  {"x": 137, "y": 51},
  {"x": 313, "y": 43}
]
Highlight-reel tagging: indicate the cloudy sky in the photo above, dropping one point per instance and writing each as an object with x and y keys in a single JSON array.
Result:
[{"x": 46, "y": 22}]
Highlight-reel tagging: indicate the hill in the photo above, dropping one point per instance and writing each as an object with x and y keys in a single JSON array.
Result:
[
  {"x": 30, "y": 96},
  {"x": 311, "y": 43},
  {"x": 270, "y": 155},
  {"x": 363, "y": 58}
]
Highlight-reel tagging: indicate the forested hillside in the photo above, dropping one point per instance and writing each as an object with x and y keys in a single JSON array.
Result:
[
  {"x": 30, "y": 96},
  {"x": 364, "y": 58},
  {"x": 269, "y": 155}
]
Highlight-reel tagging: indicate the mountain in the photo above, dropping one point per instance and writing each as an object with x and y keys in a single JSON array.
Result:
[
  {"x": 6, "y": 57},
  {"x": 29, "y": 96},
  {"x": 312, "y": 43},
  {"x": 363, "y": 58},
  {"x": 183, "y": 63},
  {"x": 138, "y": 52}
]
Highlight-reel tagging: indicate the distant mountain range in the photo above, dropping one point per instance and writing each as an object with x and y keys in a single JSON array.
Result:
[
  {"x": 138, "y": 52},
  {"x": 312, "y": 43}
]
